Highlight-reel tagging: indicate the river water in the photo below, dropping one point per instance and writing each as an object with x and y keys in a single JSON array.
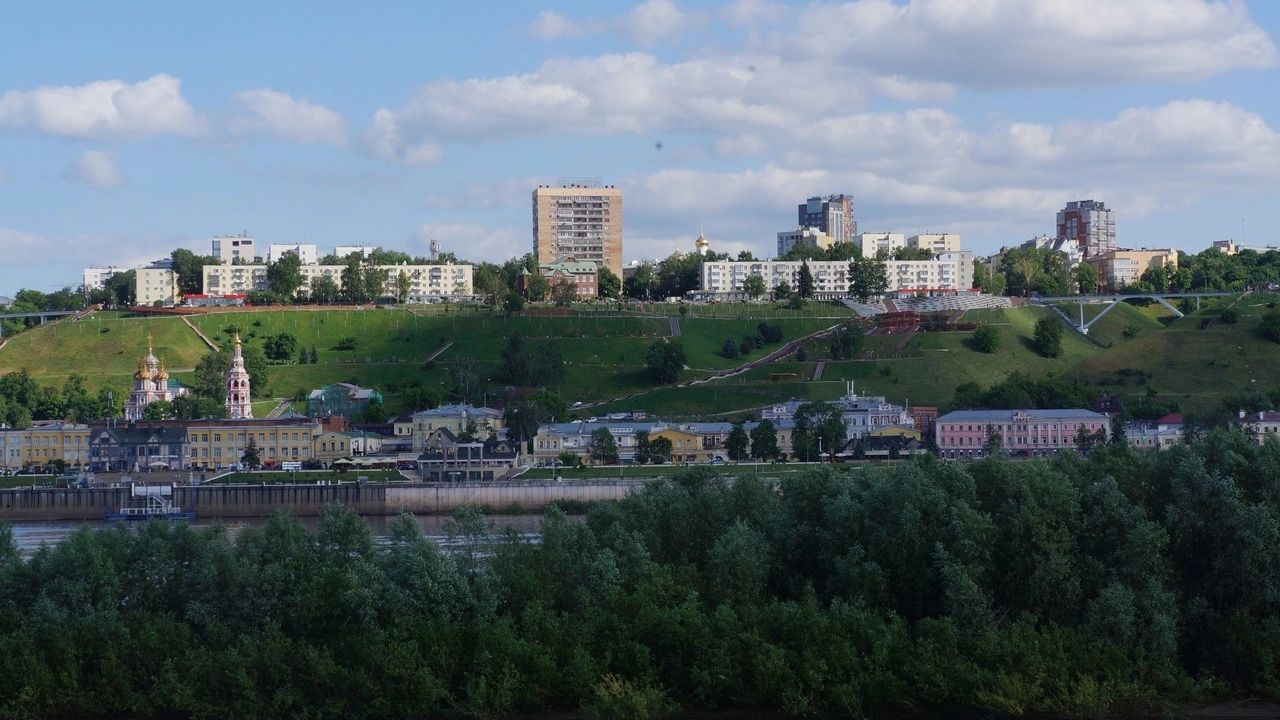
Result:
[{"x": 29, "y": 536}]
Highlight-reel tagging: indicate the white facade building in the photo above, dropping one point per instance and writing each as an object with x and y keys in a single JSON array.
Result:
[
  {"x": 156, "y": 284},
  {"x": 935, "y": 242},
  {"x": 96, "y": 278},
  {"x": 872, "y": 244},
  {"x": 813, "y": 237},
  {"x": 308, "y": 254},
  {"x": 950, "y": 273},
  {"x": 234, "y": 249},
  {"x": 425, "y": 281},
  {"x": 362, "y": 250},
  {"x": 1072, "y": 249}
]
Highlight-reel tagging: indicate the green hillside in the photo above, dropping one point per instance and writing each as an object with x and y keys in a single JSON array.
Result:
[{"x": 1128, "y": 351}]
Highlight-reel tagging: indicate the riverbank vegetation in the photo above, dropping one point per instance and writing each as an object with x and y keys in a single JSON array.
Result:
[{"x": 1117, "y": 582}]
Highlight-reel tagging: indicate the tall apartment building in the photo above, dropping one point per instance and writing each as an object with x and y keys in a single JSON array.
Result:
[
  {"x": 1090, "y": 223},
  {"x": 234, "y": 249},
  {"x": 832, "y": 215},
  {"x": 363, "y": 250},
  {"x": 935, "y": 242},
  {"x": 580, "y": 221},
  {"x": 811, "y": 236},
  {"x": 1118, "y": 269},
  {"x": 425, "y": 281},
  {"x": 872, "y": 244},
  {"x": 308, "y": 254}
]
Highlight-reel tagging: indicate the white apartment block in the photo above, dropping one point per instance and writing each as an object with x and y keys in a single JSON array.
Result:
[
  {"x": 950, "y": 273},
  {"x": 425, "y": 281},
  {"x": 234, "y": 249},
  {"x": 872, "y": 244},
  {"x": 156, "y": 284},
  {"x": 813, "y": 237},
  {"x": 935, "y": 242},
  {"x": 362, "y": 250},
  {"x": 308, "y": 254},
  {"x": 96, "y": 278}
]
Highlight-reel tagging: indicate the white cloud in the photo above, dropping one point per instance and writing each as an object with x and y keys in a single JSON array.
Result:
[
  {"x": 1013, "y": 43},
  {"x": 749, "y": 12},
  {"x": 551, "y": 25},
  {"x": 475, "y": 241},
  {"x": 653, "y": 21},
  {"x": 103, "y": 109},
  {"x": 95, "y": 168},
  {"x": 276, "y": 114},
  {"x": 385, "y": 140}
]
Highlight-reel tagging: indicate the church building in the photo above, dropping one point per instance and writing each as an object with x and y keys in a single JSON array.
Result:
[{"x": 151, "y": 383}]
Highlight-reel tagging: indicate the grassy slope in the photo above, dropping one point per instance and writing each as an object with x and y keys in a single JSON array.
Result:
[{"x": 605, "y": 353}]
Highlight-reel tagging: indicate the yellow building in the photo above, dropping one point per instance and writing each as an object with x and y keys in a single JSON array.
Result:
[
  {"x": 42, "y": 443},
  {"x": 219, "y": 443},
  {"x": 1118, "y": 269},
  {"x": 455, "y": 418},
  {"x": 685, "y": 446},
  {"x": 332, "y": 446}
]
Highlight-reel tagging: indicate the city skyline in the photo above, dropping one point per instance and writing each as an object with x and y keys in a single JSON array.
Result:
[{"x": 124, "y": 136}]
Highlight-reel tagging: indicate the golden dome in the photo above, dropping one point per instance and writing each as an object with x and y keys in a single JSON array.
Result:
[
  {"x": 163, "y": 374},
  {"x": 144, "y": 372}
]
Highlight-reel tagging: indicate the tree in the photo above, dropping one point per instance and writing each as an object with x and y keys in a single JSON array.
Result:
[
  {"x": 302, "y": 356},
  {"x": 464, "y": 379},
  {"x": 665, "y": 360},
  {"x": 312, "y": 358},
  {"x": 660, "y": 450},
  {"x": 1086, "y": 277},
  {"x": 764, "y": 441},
  {"x": 640, "y": 284},
  {"x": 819, "y": 429},
  {"x": 211, "y": 372},
  {"x": 564, "y": 293},
  {"x": 189, "y": 268},
  {"x": 1269, "y": 326},
  {"x": 403, "y": 286},
  {"x": 868, "y": 278},
  {"x": 986, "y": 339},
  {"x": 644, "y": 447},
  {"x": 121, "y": 288},
  {"x": 536, "y": 287},
  {"x": 194, "y": 407},
  {"x": 1047, "y": 339},
  {"x": 325, "y": 291},
  {"x": 352, "y": 280},
  {"x": 251, "y": 458},
  {"x": 513, "y": 303},
  {"x": 284, "y": 276},
  {"x": 846, "y": 341},
  {"x": 737, "y": 444},
  {"x": 603, "y": 449},
  {"x": 805, "y": 281},
  {"x": 280, "y": 347},
  {"x": 782, "y": 291},
  {"x": 374, "y": 412},
  {"x": 729, "y": 349},
  {"x": 374, "y": 280},
  {"x": 531, "y": 366},
  {"x": 992, "y": 444},
  {"x": 608, "y": 284},
  {"x": 158, "y": 410},
  {"x": 755, "y": 286}
]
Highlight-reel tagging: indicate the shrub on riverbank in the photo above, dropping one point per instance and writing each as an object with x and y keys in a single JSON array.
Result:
[{"x": 1074, "y": 586}]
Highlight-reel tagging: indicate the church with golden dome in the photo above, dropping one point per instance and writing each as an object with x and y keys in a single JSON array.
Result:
[{"x": 151, "y": 383}]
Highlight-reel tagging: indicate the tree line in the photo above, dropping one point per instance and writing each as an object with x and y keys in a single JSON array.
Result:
[{"x": 1121, "y": 582}]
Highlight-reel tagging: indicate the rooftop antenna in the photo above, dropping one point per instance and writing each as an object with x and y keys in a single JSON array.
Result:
[{"x": 435, "y": 249}]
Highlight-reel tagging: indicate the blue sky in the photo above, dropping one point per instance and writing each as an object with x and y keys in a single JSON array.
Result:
[{"x": 127, "y": 132}]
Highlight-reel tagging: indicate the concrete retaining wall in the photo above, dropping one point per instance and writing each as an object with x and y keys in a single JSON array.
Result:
[{"x": 240, "y": 501}]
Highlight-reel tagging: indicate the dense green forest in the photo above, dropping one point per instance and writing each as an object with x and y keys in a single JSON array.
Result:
[{"x": 1119, "y": 581}]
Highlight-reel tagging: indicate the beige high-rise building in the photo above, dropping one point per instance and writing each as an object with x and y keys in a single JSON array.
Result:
[{"x": 579, "y": 221}]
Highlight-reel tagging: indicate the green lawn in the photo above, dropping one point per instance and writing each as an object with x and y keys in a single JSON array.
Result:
[{"x": 308, "y": 476}]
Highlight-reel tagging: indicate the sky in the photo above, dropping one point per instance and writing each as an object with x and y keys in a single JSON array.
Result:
[{"x": 129, "y": 129}]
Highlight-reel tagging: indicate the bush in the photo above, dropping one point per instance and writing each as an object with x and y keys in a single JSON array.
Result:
[
  {"x": 986, "y": 339},
  {"x": 346, "y": 343},
  {"x": 1229, "y": 316},
  {"x": 1047, "y": 339},
  {"x": 1270, "y": 326},
  {"x": 616, "y": 699},
  {"x": 729, "y": 349}
]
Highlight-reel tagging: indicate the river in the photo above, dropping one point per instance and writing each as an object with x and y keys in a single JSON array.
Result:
[{"x": 30, "y": 536}]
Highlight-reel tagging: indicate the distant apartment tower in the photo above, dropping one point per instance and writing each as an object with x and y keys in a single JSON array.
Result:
[
  {"x": 811, "y": 236},
  {"x": 362, "y": 250},
  {"x": 1090, "y": 223},
  {"x": 579, "y": 221},
  {"x": 96, "y": 278},
  {"x": 307, "y": 254},
  {"x": 887, "y": 243},
  {"x": 832, "y": 215},
  {"x": 234, "y": 249}
]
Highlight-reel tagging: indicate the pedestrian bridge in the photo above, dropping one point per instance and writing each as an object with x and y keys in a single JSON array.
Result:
[
  {"x": 42, "y": 314},
  {"x": 1115, "y": 299}
]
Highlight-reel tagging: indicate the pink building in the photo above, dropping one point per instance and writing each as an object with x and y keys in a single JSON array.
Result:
[{"x": 963, "y": 434}]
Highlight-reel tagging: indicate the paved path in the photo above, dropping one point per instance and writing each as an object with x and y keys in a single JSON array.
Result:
[
  {"x": 280, "y": 407},
  {"x": 817, "y": 370},
  {"x": 435, "y": 354},
  {"x": 675, "y": 326},
  {"x": 203, "y": 337}
]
